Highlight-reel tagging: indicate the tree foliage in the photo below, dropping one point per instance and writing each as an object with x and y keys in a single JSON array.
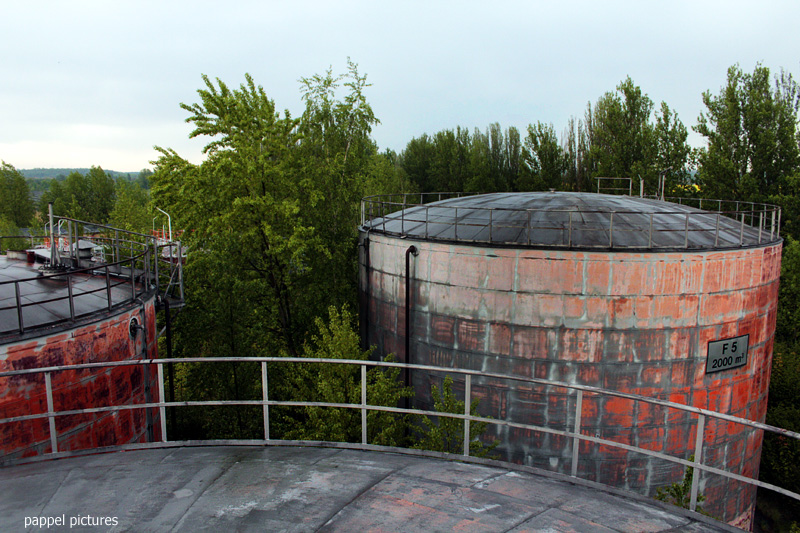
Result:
[
  {"x": 87, "y": 197},
  {"x": 270, "y": 218},
  {"x": 447, "y": 434},
  {"x": 15, "y": 202},
  {"x": 337, "y": 339},
  {"x": 751, "y": 132}
]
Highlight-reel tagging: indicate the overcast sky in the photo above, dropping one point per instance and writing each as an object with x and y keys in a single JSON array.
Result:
[{"x": 87, "y": 83}]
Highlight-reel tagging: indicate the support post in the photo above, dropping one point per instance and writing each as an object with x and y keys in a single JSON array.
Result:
[
  {"x": 265, "y": 398},
  {"x": 363, "y": 404},
  {"x": 162, "y": 398},
  {"x": 50, "y": 413},
  {"x": 576, "y": 442},
  {"x": 467, "y": 412},
  {"x": 698, "y": 456}
]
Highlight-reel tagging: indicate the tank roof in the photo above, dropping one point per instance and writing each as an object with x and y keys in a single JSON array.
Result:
[
  {"x": 45, "y": 301},
  {"x": 575, "y": 220}
]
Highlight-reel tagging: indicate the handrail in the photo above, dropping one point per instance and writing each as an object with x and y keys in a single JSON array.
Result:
[
  {"x": 754, "y": 223},
  {"x": 129, "y": 250},
  {"x": 575, "y": 433}
]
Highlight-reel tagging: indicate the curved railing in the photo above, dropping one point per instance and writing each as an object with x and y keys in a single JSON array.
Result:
[
  {"x": 575, "y": 432},
  {"x": 717, "y": 224},
  {"x": 128, "y": 258}
]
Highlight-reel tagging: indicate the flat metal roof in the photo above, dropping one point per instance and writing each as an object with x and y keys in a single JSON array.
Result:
[
  {"x": 277, "y": 488},
  {"x": 577, "y": 220},
  {"x": 45, "y": 301}
]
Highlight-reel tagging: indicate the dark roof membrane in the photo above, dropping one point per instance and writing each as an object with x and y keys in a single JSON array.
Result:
[{"x": 576, "y": 220}]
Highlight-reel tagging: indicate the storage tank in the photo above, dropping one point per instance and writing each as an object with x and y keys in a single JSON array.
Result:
[
  {"x": 624, "y": 293},
  {"x": 70, "y": 315}
]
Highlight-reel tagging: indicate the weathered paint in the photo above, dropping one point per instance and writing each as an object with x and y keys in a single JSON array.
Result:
[
  {"x": 634, "y": 322},
  {"x": 104, "y": 339}
]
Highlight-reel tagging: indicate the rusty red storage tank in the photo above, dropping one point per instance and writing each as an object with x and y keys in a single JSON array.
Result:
[
  {"x": 623, "y": 293},
  {"x": 93, "y": 317}
]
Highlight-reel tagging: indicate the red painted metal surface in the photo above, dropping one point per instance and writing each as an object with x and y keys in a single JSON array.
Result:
[
  {"x": 107, "y": 338},
  {"x": 634, "y": 322}
]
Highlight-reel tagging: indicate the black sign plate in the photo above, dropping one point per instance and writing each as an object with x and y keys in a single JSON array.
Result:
[{"x": 727, "y": 354}]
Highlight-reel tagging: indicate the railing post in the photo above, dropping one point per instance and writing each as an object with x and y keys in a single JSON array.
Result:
[
  {"x": 772, "y": 226},
  {"x": 741, "y": 232},
  {"x": 179, "y": 259},
  {"x": 162, "y": 398},
  {"x": 529, "y": 227},
  {"x": 686, "y": 232},
  {"x": 611, "y": 230},
  {"x": 19, "y": 307},
  {"x": 108, "y": 288},
  {"x": 577, "y": 429},
  {"x": 363, "y": 404},
  {"x": 698, "y": 456},
  {"x": 760, "y": 225},
  {"x": 72, "y": 257},
  {"x": 70, "y": 298},
  {"x": 133, "y": 282},
  {"x": 50, "y": 413},
  {"x": 569, "y": 238},
  {"x": 467, "y": 403},
  {"x": 265, "y": 398},
  {"x": 155, "y": 265}
]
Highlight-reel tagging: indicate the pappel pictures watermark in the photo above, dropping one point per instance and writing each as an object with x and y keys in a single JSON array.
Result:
[{"x": 81, "y": 520}]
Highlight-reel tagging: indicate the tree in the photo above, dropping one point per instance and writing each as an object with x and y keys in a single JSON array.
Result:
[
  {"x": 270, "y": 220},
  {"x": 15, "y": 201},
  {"x": 672, "y": 151},
  {"x": 131, "y": 208},
  {"x": 622, "y": 136},
  {"x": 751, "y": 131},
  {"x": 576, "y": 147},
  {"x": 543, "y": 158},
  {"x": 447, "y": 434},
  {"x": 8, "y": 233},
  {"x": 331, "y": 383},
  {"x": 416, "y": 161}
]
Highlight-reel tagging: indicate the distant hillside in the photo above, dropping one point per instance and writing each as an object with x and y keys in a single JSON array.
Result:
[{"x": 41, "y": 173}]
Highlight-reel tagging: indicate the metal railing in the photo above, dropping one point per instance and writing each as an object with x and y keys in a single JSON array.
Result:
[
  {"x": 716, "y": 224},
  {"x": 575, "y": 432},
  {"x": 128, "y": 258}
]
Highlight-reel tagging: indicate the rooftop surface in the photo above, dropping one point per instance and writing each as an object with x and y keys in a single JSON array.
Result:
[
  {"x": 35, "y": 292},
  {"x": 281, "y": 488},
  {"x": 575, "y": 220}
]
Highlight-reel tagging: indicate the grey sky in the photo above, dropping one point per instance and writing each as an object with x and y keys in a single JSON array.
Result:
[{"x": 98, "y": 83}]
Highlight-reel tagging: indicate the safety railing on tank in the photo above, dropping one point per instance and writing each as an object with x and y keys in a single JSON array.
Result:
[
  {"x": 748, "y": 224},
  {"x": 572, "y": 431},
  {"x": 125, "y": 258}
]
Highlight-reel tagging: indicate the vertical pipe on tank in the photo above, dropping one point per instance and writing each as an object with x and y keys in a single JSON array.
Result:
[{"x": 411, "y": 250}]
